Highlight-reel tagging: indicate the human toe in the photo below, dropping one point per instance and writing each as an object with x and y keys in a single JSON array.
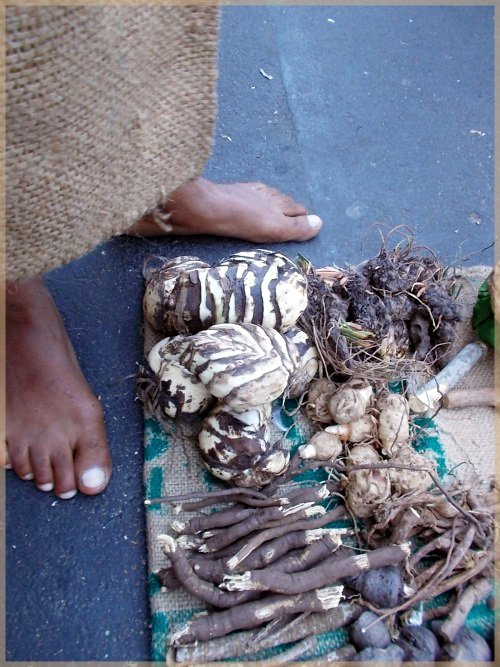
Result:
[
  {"x": 42, "y": 468},
  {"x": 4, "y": 458},
  {"x": 303, "y": 227},
  {"x": 292, "y": 208},
  {"x": 92, "y": 466},
  {"x": 64, "y": 473},
  {"x": 19, "y": 460}
]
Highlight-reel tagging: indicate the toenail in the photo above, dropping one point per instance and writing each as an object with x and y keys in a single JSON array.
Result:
[
  {"x": 29, "y": 476},
  {"x": 67, "y": 494},
  {"x": 46, "y": 487},
  {"x": 8, "y": 466},
  {"x": 314, "y": 220},
  {"x": 93, "y": 478}
]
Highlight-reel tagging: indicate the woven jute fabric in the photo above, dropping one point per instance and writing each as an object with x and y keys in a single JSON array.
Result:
[
  {"x": 108, "y": 110},
  {"x": 468, "y": 434},
  {"x": 173, "y": 466}
]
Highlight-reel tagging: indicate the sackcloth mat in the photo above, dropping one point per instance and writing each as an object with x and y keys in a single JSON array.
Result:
[
  {"x": 172, "y": 465},
  {"x": 108, "y": 110}
]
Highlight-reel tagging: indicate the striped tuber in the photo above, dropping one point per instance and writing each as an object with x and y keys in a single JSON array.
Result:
[{"x": 186, "y": 295}]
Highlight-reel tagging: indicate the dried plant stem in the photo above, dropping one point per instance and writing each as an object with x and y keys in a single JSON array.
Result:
[
  {"x": 212, "y": 496},
  {"x": 470, "y": 596}
]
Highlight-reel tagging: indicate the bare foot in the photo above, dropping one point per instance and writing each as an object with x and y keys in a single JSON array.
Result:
[
  {"x": 55, "y": 429},
  {"x": 248, "y": 211}
]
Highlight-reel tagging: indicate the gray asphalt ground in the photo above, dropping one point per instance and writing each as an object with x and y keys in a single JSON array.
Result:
[{"x": 376, "y": 114}]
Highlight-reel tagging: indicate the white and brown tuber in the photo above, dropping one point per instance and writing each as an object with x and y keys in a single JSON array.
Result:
[
  {"x": 235, "y": 446},
  {"x": 167, "y": 387},
  {"x": 186, "y": 295}
]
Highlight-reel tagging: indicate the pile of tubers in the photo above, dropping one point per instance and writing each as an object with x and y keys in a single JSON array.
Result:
[
  {"x": 274, "y": 568},
  {"x": 234, "y": 349},
  {"x": 372, "y": 320},
  {"x": 270, "y": 559}
]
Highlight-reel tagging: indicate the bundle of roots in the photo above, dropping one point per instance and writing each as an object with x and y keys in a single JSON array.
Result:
[
  {"x": 274, "y": 568},
  {"x": 370, "y": 320}
]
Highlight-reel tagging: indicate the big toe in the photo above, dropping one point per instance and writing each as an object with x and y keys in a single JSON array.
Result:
[
  {"x": 302, "y": 227},
  {"x": 92, "y": 466}
]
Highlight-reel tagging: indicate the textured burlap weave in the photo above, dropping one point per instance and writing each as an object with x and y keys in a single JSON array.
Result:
[
  {"x": 173, "y": 466},
  {"x": 108, "y": 110},
  {"x": 468, "y": 434}
]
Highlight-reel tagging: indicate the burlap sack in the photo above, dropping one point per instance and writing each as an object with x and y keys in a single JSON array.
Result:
[
  {"x": 108, "y": 110},
  {"x": 468, "y": 434}
]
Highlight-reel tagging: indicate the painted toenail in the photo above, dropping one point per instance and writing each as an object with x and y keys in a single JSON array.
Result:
[
  {"x": 67, "y": 494},
  {"x": 46, "y": 487},
  {"x": 93, "y": 478},
  {"x": 314, "y": 220},
  {"x": 29, "y": 476}
]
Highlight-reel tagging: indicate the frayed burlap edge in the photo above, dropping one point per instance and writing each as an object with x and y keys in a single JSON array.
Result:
[{"x": 109, "y": 109}]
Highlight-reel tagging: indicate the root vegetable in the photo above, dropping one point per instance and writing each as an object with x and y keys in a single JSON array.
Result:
[
  {"x": 468, "y": 647},
  {"x": 323, "y": 445},
  {"x": 355, "y": 431},
  {"x": 318, "y": 399},
  {"x": 315, "y": 493},
  {"x": 265, "y": 469},
  {"x": 274, "y": 553},
  {"x": 302, "y": 559},
  {"x": 350, "y": 401},
  {"x": 162, "y": 289},
  {"x": 200, "y": 588},
  {"x": 393, "y": 423},
  {"x": 375, "y": 636},
  {"x": 243, "y": 365},
  {"x": 238, "y": 530},
  {"x": 362, "y": 454},
  {"x": 419, "y": 644},
  {"x": 253, "y": 614},
  {"x": 271, "y": 533},
  {"x": 235, "y": 446},
  {"x": 215, "y": 520},
  {"x": 321, "y": 575},
  {"x": 407, "y": 480},
  {"x": 262, "y": 287},
  {"x": 237, "y": 644},
  {"x": 298, "y": 561},
  {"x": 305, "y": 356},
  {"x": 366, "y": 490},
  {"x": 382, "y": 586},
  {"x": 275, "y": 290},
  {"x": 473, "y": 594},
  {"x": 166, "y": 387},
  {"x": 212, "y": 497}
]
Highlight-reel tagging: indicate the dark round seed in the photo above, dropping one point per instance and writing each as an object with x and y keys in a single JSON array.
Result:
[
  {"x": 377, "y": 636},
  {"x": 418, "y": 643}
]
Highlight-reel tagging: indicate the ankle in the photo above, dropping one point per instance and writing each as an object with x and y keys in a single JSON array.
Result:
[{"x": 24, "y": 299}]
